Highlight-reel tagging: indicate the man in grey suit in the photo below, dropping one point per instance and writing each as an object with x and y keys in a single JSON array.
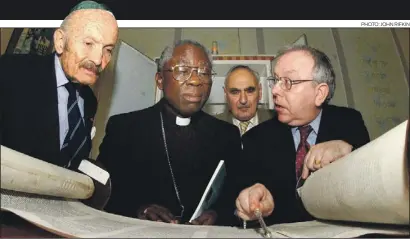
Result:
[{"x": 243, "y": 92}]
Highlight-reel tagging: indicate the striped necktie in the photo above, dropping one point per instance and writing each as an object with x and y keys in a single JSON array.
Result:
[
  {"x": 76, "y": 144},
  {"x": 243, "y": 126}
]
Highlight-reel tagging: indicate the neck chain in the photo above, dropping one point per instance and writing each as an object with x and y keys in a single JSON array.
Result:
[{"x": 170, "y": 167}]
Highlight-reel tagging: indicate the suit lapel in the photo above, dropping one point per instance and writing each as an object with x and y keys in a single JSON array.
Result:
[
  {"x": 263, "y": 115},
  {"x": 48, "y": 100},
  {"x": 227, "y": 116},
  {"x": 324, "y": 129}
]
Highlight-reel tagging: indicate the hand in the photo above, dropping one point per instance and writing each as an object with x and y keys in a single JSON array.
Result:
[
  {"x": 323, "y": 154},
  {"x": 252, "y": 198},
  {"x": 208, "y": 217},
  {"x": 157, "y": 213}
]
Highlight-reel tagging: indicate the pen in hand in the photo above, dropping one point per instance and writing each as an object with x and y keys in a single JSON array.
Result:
[{"x": 266, "y": 232}]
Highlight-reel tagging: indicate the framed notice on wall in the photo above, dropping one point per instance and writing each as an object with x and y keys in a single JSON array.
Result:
[{"x": 31, "y": 41}]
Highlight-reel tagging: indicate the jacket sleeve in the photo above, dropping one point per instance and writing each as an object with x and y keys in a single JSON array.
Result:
[
  {"x": 357, "y": 135},
  {"x": 112, "y": 156},
  {"x": 225, "y": 204}
]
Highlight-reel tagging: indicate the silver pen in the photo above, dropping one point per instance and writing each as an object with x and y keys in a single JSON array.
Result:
[{"x": 266, "y": 232}]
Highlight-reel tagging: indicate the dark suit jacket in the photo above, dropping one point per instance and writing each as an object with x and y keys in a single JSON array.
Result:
[
  {"x": 134, "y": 155},
  {"x": 270, "y": 148},
  {"x": 29, "y": 106}
]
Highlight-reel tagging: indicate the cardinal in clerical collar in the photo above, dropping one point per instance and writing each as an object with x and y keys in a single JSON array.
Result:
[{"x": 170, "y": 151}]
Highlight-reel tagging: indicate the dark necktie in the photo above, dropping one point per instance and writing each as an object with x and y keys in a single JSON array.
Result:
[
  {"x": 303, "y": 148},
  {"x": 76, "y": 145}
]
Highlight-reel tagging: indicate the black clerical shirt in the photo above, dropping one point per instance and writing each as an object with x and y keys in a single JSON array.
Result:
[
  {"x": 133, "y": 152},
  {"x": 192, "y": 169}
]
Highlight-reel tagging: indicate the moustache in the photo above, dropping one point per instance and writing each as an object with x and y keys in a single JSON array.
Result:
[
  {"x": 243, "y": 107},
  {"x": 89, "y": 65}
]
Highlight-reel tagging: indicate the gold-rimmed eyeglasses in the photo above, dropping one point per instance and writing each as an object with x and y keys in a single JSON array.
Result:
[
  {"x": 284, "y": 82},
  {"x": 182, "y": 73}
]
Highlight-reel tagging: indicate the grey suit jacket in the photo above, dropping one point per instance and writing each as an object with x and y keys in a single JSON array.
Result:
[{"x": 263, "y": 115}]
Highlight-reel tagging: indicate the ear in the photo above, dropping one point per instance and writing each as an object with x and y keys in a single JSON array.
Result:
[
  {"x": 159, "y": 79},
  {"x": 59, "y": 41},
  {"x": 260, "y": 91},
  {"x": 225, "y": 93},
  {"x": 322, "y": 91}
]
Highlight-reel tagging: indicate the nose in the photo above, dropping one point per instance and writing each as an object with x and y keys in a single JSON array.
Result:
[
  {"x": 276, "y": 89},
  {"x": 243, "y": 98},
  {"x": 194, "y": 79},
  {"x": 96, "y": 56}
]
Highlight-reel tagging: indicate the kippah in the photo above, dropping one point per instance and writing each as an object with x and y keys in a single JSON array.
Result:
[{"x": 89, "y": 5}]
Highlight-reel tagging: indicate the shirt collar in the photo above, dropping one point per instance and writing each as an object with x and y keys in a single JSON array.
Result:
[
  {"x": 252, "y": 122},
  {"x": 60, "y": 75},
  {"x": 315, "y": 124}
]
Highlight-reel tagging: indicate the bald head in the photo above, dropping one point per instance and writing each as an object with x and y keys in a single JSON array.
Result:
[
  {"x": 84, "y": 43},
  {"x": 85, "y": 19}
]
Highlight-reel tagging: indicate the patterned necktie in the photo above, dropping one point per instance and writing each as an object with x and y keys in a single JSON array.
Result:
[
  {"x": 76, "y": 145},
  {"x": 243, "y": 126},
  {"x": 303, "y": 148}
]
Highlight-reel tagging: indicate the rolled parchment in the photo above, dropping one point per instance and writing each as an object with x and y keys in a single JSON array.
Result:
[{"x": 23, "y": 173}]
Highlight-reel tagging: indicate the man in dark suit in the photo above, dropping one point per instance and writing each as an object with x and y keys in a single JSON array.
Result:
[
  {"x": 161, "y": 158},
  {"x": 307, "y": 134},
  {"x": 243, "y": 92},
  {"x": 47, "y": 106}
]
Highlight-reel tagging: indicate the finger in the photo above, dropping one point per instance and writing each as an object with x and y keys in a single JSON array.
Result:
[
  {"x": 238, "y": 204},
  {"x": 328, "y": 157},
  {"x": 267, "y": 205},
  {"x": 209, "y": 221},
  {"x": 244, "y": 201},
  {"x": 195, "y": 222},
  {"x": 201, "y": 219},
  {"x": 317, "y": 164},
  {"x": 256, "y": 194},
  {"x": 151, "y": 215},
  {"x": 324, "y": 163},
  {"x": 165, "y": 215},
  {"x": 305, "y": 168},
  {"x": 305, "y": 171},
  {"x": 310, "y": 160},
  {"x": 245, "y": 216}
]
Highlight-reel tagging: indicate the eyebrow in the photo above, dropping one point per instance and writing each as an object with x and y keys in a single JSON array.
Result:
[
  {"x": 95, "y": 40},
  {"x": 247, "y": 88}
]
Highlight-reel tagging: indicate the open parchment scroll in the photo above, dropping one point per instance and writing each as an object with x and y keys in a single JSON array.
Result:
[{"x": 369, "y": 185}]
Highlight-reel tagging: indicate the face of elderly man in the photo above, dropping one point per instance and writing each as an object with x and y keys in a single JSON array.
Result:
[
  {"x": 301, "y": 103},
  {"x": 85, "y": 44},
  {"x": 186, "y": 89},
  {"x": 242, "y": 92}
]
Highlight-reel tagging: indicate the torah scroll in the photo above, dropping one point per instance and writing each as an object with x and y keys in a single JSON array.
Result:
[
  {"x": 23, "y": 173},
  {"x": 371, "y": 184}
]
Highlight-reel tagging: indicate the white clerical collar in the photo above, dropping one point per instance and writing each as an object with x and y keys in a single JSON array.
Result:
[{"x": 183, "y": 121}]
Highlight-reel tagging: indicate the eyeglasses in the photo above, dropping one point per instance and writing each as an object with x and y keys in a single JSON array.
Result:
[
  {"x": 284, "y": 82},
  {"x": 183, "y": 73}
]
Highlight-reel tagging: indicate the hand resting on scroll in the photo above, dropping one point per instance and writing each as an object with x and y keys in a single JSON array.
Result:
[
  {"x": 207, "y": 217},
  {"x": 252, "y": 198},
  {"x": 323, "y": 154},
  {"x": 154, "y": 212}
]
